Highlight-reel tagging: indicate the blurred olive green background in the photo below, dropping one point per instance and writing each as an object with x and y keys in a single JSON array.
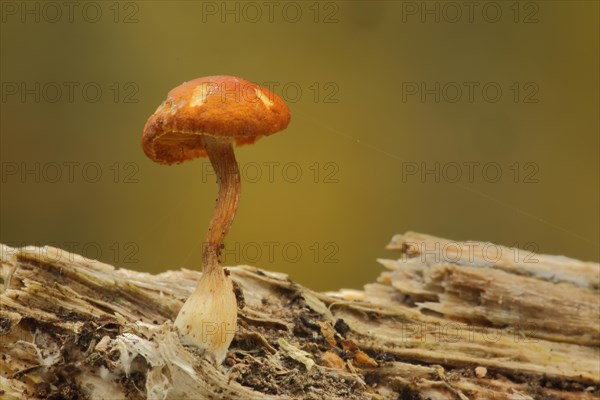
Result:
[{"x": 349, "y": 71}]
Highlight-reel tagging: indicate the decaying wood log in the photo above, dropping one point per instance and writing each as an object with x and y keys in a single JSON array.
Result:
[{"x": 447, "y": 320}]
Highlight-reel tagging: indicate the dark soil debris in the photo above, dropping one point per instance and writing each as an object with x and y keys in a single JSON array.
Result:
[
  {"x": 134, "y": 385},
  {"x": 67, "y": 391},
  {"x": 341, "y": 327},
  {"x": 42, "y": 389},
  {"x": 5, "y": 325}
]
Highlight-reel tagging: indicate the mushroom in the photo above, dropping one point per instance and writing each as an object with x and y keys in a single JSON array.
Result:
[{"x": 199, "y": 118}]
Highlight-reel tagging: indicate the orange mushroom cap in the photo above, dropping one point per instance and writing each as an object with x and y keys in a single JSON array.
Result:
[{"x": 220, "y": 106}]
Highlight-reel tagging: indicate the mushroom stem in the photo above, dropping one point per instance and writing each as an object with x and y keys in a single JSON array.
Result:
[
  {"x": 208, "y": 318},
  {"x": 221, "y": 155}
]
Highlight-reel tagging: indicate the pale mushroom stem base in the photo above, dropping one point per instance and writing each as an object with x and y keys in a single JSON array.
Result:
[{"x": 221, "y": 155}]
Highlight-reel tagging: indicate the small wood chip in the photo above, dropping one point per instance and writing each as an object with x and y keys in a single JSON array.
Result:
[
  {"x": 480, "y": 372},
  {"x": 349, "y": 345},
  {"x": 332, "y": 360},
  {"x": 103, "y": 344},
  {"x": 295, "y": 353},
  {"x": 328, "y": 333},
  {"x": 362, "y": 359}
]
